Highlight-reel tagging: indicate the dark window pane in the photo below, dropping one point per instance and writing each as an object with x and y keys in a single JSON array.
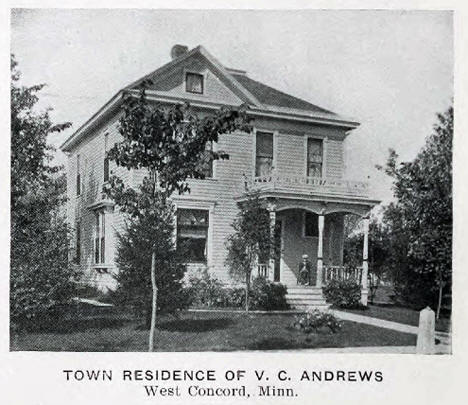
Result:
[
  {"x": 106, "y": 169},
  {"x": 78, "y": 243},
  {"x": 194, "y": 83},
  {"x": 78, "y": 184},
  {"x": 264, "y": 154},
  {"x": 103, "y": 250},
  {"x": 207, "y": 161},
  {"x": 192, "y": 234},
  {"x": 311, "y": 224},
  {"x": 314, "y": 157}
]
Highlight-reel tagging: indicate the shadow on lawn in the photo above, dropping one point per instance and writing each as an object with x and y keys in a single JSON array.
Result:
[
  {"x": 83, "y": 324},
  {"x": 273, "y": 343},
  {"x": 195, "y": 325}
]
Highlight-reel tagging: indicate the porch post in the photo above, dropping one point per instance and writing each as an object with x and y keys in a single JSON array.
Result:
[
  {"x": 321, "y": 221},
  {"x": 365, "y": 265},
  {"x": 271, "y": 264}
]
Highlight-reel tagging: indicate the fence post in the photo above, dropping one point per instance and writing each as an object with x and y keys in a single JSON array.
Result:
[{"x": 426, "y": 332}]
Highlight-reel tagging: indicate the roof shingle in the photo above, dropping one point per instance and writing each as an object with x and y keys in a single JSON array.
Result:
[{"x": 270, "y": 96}]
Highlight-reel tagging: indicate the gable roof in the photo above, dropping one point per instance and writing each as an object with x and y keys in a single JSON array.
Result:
[{"x": 263, "y": 99}]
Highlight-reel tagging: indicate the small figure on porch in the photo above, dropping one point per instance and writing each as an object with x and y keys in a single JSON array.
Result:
[{"x": 304, "y": 271}]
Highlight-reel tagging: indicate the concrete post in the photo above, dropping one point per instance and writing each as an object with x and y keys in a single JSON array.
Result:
[
  {"x": 321, "y": 221},
  {"x": 426, "y": 334},
  {"x": 365, "y": 265}
]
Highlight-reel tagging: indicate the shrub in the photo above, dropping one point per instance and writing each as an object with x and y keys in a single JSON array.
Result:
[
  {"x": 267, "y": 295},
  {"x": 316, "y": 321},
  {"x": 42, "y": 284},
  {"x": 133, "y": 260},
  {"x": 343, "y": 293},
  {"x": 206, "y": 291}
]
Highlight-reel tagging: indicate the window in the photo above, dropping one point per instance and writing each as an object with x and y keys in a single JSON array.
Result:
[
  {"x": 106, "y": 159},
  {"x": 310, "y": 224},
  {"x": 78, "y": 176},
  {"x": 314, "y": 157},
  {"x": 100, "y": 238},
  {"x": 192, "y": 234},
  {"x": 78, "y": 243},
  {"x": 264, "y": 154},
  {"x": 194, "y": 83},
  {"x": 207, "y": 161}
]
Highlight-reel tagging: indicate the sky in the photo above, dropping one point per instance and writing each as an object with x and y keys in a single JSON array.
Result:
[{"x": 392, "y": 71}]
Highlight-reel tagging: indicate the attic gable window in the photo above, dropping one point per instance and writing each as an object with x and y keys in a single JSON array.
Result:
[{"x": 194, "y": 83}]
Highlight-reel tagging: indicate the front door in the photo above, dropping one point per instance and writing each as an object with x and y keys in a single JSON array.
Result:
[{"x": 278, "y": 249}]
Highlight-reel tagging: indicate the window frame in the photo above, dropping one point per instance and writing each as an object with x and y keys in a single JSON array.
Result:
[
  {"x": 78, "y": 238},
  {"x": 207, "y": 235},
  {"x": 274, "y": 154},
  {"x": 106, "y": 169},
  {"x": 99, "y": 245},
  {"x": 188, "y": 73},
  {"x": 324, "y": 140},
  {"x": 78, "y": 176}
]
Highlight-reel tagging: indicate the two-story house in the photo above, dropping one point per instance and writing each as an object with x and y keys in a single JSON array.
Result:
[{"x": 294, "y": 158}]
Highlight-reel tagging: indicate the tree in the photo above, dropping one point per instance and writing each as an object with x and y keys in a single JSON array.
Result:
[
  {"x": 170, "y": 143},
  {"x": 250, "y": 242},
  {"x": 422, "y": 213},
  {"x": 142, "y": 237},
  {"x": 41, "y": 280},
  {"x": 379, "y": 253}
]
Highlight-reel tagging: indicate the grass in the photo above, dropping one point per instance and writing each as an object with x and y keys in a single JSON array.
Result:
[
  {"x": 398, "y": 314},
  {"x": 200, "y": 331}
]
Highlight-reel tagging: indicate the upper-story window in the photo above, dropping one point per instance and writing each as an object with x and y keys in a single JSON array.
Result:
[
  {"x": 194, "y": 83},
  {"x": 207, "y": 161},
  {"x": 100, "y": 238},
  {"x": 192, "y": 234},
  {"x": 78, "y": 176},
  {"x": 314, "y": 157},
  {"x": 106, "y": 159},
  {"x": 264, "y": 153}
]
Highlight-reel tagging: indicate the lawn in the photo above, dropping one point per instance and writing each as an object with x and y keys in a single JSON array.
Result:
[
  {"x": 398, "y": 314},
  {"x": 200, "y": 331}
]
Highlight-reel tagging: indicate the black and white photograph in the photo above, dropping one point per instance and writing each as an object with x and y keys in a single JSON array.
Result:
[{"x": 231, "y": 180}]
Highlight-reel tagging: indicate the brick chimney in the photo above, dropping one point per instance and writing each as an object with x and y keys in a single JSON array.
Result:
[{"x": 178, "y": 50}]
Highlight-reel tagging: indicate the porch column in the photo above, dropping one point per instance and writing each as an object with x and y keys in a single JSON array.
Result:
[
  {"x": 365, "y": 265},
  {"x": 321, "y": 221},
  {"x": 271, "y": 264}
]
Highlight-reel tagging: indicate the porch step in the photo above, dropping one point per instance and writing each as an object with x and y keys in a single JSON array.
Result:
[{"x": 305, "y": 297}]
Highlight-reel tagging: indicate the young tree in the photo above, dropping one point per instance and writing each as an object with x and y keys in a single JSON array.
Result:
[
  {"x": 423, "y": 211},
  {"x": 171, "y": 145},
  {"x": 250, "y": 242},
  {"x": 41, "y": 279}
]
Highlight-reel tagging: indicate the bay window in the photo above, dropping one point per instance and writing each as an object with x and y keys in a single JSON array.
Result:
[{"x": 100, "y": 238}]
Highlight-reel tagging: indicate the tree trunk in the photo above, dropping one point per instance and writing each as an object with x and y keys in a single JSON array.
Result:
[
  {"x": 154, "y": 303},
  {"x": 247, "y": 289},
  {"x": 439, "y": 303}
]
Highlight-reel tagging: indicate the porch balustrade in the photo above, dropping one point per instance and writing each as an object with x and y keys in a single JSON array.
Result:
[
  {"x": 341, "y": 273},
  {"x": 306, "y": 185}
]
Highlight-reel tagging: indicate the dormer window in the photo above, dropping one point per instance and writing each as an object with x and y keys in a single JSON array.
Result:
[{"x": 194, "y": 83}]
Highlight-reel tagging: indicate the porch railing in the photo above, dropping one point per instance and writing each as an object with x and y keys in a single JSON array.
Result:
[
  {"x": 342, "y": 273},
  {"x": 303, "y": 184}
]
